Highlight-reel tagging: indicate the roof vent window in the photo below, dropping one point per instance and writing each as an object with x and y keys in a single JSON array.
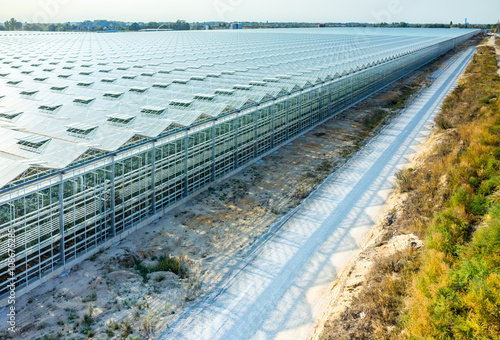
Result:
[
  {"x": 153, "y": 110},
  {"x": 33, "y": 143},
  {"x": 180, "y": 81},
  {"x": 138, "y": 89},
  {"x": 160, "y": 85},
  {"x": 108, "y": 80},
  {"x": 207, "y": 97},
  {"x": 14, "y": 82},
  {"x": 225, "y": 92},
  {"x": 257, "y": 83},
  {"x": 83, "y": 101},
  {"x": 112, "y": 95},
  {"x": 180, "y": 103},
  {"x": 119, "y": 119},
  {"x": 242, "y": 87},
  {"x": 58, "y": 88},
  {"x": 10, "y": 115},
  {"x": 28, "y": 93},
  {"x": 85, "y": 83},
  {"x": 81, "y": 130},
  {"x": 49, "y": 108}
]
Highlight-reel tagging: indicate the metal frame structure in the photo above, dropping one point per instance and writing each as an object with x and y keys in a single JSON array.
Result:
[{"x": 61, "y": 214}]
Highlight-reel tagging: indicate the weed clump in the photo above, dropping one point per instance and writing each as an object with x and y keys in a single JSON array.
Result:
[{"x": 165, "y": 263}]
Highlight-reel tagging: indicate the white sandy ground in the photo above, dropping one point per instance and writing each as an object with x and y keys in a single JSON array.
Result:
[{"x": 280, "y": 290}]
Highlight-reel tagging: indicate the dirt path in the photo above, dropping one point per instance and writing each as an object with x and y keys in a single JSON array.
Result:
[{"x": 492, "y": 42}]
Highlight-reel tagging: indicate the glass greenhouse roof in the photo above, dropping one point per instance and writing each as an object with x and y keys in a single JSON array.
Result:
[{"x": 62, "y": 94}]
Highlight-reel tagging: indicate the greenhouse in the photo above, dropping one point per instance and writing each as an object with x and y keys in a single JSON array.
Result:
[{"x": 102, "y": 133}]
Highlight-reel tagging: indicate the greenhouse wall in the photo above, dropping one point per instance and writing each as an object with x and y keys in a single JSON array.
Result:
[{"x": 63, "y": 217}]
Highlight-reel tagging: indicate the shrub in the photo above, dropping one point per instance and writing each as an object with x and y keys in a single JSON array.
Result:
[
  {"x": 403, "y": 181},
  {"x": 443, "y": 123}
]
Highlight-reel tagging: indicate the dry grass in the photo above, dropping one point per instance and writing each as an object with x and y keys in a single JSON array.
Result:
[{"x": 374, "y": 313}]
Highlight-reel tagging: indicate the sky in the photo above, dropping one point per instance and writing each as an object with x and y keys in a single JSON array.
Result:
[{"x": 420, "y": 11}]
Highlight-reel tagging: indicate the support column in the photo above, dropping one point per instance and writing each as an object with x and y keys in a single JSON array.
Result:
[
  {"x": 255, "y": 128},
  {"x": 61, "y": 219},
  {"x": 213, "y": 152},
  {"x": 113, "y": 197},
  {"x": 236, "y": 132},
  {"x": 153, "y": 179},
  {"x": 273, "y": 123},
  {"x": 186, "y": 145}
]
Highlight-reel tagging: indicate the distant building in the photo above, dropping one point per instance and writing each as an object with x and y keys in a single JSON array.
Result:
[
  {"x": 155, "y": 29},
  {"x": 321, "y": 25},
  {"x": 236, "y": 26}
]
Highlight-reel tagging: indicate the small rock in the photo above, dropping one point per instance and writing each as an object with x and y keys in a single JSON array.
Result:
[{"x": 149, "y": 263}]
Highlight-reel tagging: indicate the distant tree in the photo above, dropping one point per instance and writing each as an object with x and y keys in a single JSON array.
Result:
[
  {"x": 403, "y": 24},
  {"x": 51, "y": 28},
  {"x": 134, "y": 27},
  {"x": 34, "y": 27},
  {"x": 13, "y": 24},
  {"x": 451, "y": 23},
  {"x": 2, "y": 28},
  {"x": 181, "y": 25},
  {"x": 152, "y": 25}
]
